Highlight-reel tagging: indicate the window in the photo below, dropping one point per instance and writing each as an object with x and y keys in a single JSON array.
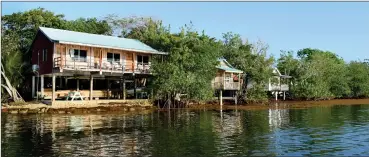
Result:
[
  {"x": 44, "y": 55},
  {"x": 113, "y": 57},
  {"x": 142, "y": 59},
  {"x": 78, "y": 55}
]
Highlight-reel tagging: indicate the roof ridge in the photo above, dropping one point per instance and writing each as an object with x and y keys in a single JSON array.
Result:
[{"x": 88, "y": 33}]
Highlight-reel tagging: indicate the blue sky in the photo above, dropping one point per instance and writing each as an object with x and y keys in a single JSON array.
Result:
[{"x": 341, "y": 27}]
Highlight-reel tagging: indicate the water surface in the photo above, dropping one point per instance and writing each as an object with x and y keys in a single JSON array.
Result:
[{"x": 332, "y": 130}]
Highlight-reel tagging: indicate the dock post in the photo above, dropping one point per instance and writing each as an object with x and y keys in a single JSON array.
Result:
[
  {"x": 33, "y": 87},
  {"x": 124, "y": 89},
  {"x": 42, "y": 86},
  {"x": 221, "y": 97},
  {"x": 53, "y": 92},
  {"x": 91, "y": 86}
]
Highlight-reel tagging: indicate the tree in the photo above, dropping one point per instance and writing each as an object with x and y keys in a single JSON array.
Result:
[
  {"x": 89, "y": 25},
  {"x": 317, "y": 74},
  {"x": 358, "y": 76}
]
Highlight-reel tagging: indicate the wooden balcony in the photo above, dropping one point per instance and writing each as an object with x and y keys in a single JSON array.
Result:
[
  {"x": 227, "y": 85},
  {"x": 105, "y": 66}
]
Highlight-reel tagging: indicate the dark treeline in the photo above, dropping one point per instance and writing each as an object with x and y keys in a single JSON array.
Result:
[{"x": 190, "y": 65}]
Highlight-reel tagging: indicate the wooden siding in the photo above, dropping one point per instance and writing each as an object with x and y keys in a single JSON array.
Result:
[{"x": 41, "y": 43}]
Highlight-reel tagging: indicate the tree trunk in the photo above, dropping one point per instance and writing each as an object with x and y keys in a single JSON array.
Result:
[{"x": 13, "y": 93}]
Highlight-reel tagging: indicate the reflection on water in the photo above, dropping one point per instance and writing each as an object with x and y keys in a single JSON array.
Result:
[{"x": 337, "y": 130}]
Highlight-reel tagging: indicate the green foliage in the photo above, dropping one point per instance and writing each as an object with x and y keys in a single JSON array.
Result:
[
  {"x": 89, "y": 25},
  {"x": 316, "y": 74},
  {"x": 358, "y": 79}
]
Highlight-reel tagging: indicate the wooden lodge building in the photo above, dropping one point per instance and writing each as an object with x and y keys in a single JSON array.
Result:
[
  {"x": 228, "y": 80},
  {"x": 98, "y": 66}
]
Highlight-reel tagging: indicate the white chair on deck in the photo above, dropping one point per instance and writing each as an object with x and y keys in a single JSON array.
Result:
[{"x": 107, "y": 65}]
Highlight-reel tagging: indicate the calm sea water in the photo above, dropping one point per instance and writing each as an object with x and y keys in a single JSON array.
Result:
[{"x": 337, "y": 130}]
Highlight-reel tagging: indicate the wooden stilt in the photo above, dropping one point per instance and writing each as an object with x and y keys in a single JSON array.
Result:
[
  {"x": 53, "y": 86},
  {"x": 221, "y": 97},
  {"x": 108, "y": 85},
  {"x": 77, "y": 84},
  {"x": 91, "y": 86},
  {"x": 276, "y": 95},
  {"x": 124, "y": 89},
  {"x": 60, "y": 82},
  {"x": 33, "y": 86},
  {"x": 135, "y": 88},
  {"x": 42, "y": 86}
]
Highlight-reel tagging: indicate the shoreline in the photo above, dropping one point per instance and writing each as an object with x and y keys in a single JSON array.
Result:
[
  {"x": 288, "y": 104},
  {"x": 139, "y": 105}
]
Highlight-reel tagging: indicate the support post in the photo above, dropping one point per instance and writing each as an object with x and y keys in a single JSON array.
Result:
[
  {"x": 124, "y": 89},
  {"x": 77, "y": 84},
  {"x": 235, "y": 98},
  {"x": 108, "y": 85},
  {"x": 135, "y": 88},
  {"x": 42, "y": 86},
  {"x": 91, "y": 86},
  {"x": 60, "y": 82},
  {"x": 66, "y": 83},
  {"x": 53, "y": 86},
  {"x": 221, "y": 97},
  {"x": 284, "y": 95},
  {"x": 276, "y": 95},
  {"x": 33, "y": 86}
]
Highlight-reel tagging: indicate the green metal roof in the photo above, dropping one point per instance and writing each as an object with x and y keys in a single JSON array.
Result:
[
  {"x": 87, "y": 39},
  {"x": 227, "y": 67}
]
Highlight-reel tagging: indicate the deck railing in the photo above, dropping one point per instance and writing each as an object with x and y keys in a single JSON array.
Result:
[
  {"x": 105, "y": 66},
  {"x": 226, "y": 85},
  {"x": 282, "y": 87}
]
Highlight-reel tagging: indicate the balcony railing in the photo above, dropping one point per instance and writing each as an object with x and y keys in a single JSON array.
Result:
[
  {"x": 227, "y": 85},
  {"x": 282, "y": 87},
  {"x": 105, "y": 66}
]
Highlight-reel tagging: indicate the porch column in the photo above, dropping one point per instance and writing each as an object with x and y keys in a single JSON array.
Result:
[
  {"x": 77, "y": 84},
  {"x": 53, "y": 91},
  {"x": 91, "y": 86},
  {"x": 42, "y": 85},
  {"x": 124, "y": 89},
  {"x": 33, "y": 86}
]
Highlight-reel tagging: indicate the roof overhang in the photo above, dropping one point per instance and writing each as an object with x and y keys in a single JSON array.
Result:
[
  {"x": 110, "y": 47},
  {"x": 230, "y": 70}
]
